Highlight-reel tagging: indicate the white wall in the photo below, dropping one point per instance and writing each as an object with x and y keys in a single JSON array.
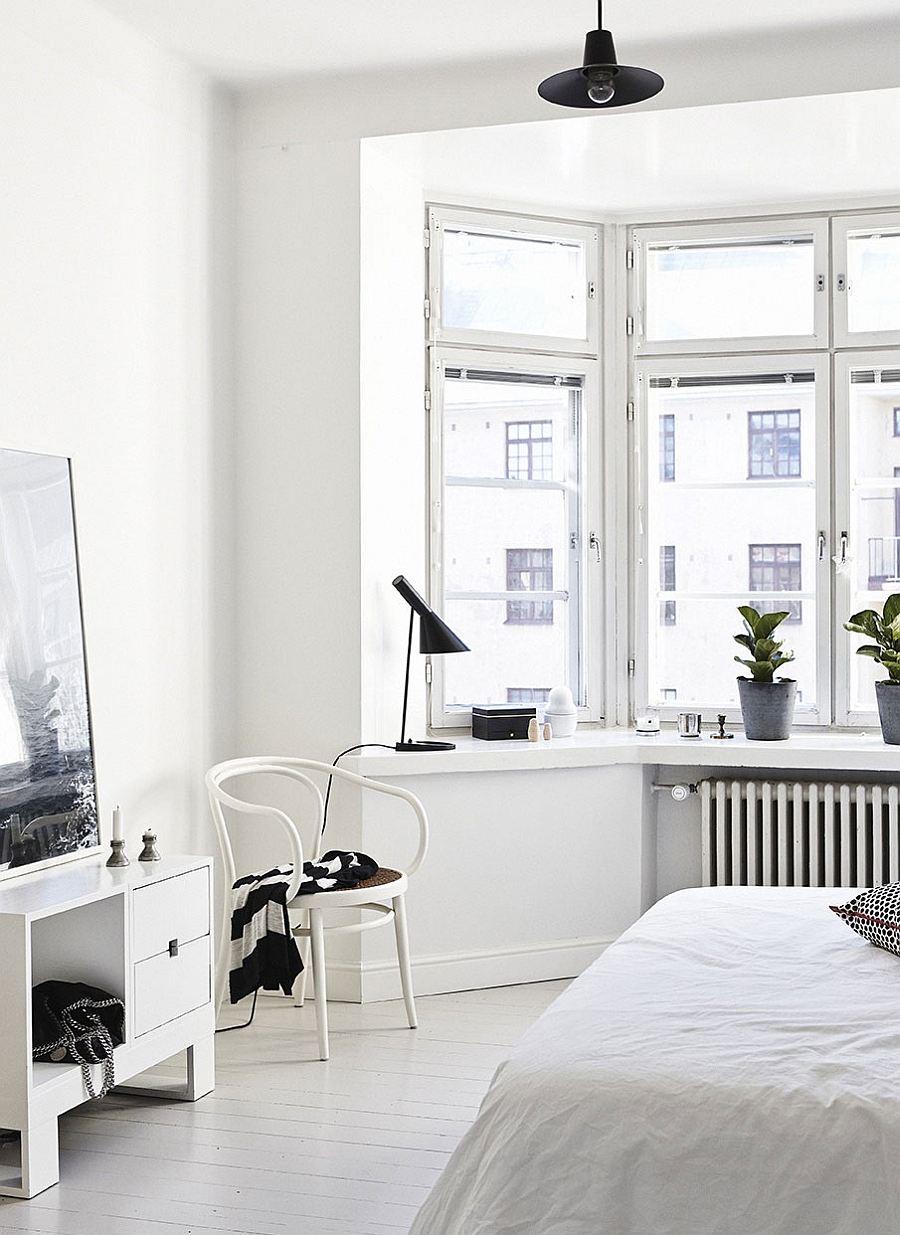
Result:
[
  {"x": 298, "y": 439},
  {"x": 393, "y": 438},
  {"x": 113, "y": 212}
]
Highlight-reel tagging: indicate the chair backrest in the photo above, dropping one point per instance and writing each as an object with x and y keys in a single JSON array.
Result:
[{"x": 297, "y": 771}]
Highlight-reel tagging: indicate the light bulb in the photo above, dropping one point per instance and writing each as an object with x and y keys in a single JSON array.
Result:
[{"x": 600, "y": 85}]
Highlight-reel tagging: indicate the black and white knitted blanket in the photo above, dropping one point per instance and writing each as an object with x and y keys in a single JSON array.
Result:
[{"x": 264, "y": 953}]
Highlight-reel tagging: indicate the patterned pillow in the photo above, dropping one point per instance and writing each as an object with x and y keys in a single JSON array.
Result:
[{"x": 875, "y": 914}]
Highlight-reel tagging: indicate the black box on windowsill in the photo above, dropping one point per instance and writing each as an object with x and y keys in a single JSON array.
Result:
[{"x": 494, "y": 722}]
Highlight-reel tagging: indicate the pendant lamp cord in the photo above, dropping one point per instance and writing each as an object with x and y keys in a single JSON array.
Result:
[{"x": 599, "y": 14}]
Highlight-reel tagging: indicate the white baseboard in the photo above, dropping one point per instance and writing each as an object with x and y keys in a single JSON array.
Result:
[{"x": 465, "y": 971}]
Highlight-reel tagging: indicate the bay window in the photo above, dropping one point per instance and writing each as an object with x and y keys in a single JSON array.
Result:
[
  {"x": 759, "y": 461},
  {"x": 747, "y": 351}
]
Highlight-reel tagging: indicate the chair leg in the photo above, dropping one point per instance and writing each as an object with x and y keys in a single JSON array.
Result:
[
  {"x": 299, "y": 991},
  {"x": 399, "y": 905},
  {"x": 317, "y": 940}
]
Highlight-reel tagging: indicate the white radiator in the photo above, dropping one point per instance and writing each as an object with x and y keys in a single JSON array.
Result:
[{"x": 818, "y": 834}]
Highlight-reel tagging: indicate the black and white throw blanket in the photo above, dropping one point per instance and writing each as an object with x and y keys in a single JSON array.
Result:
[{"x": 264, "y": 953}]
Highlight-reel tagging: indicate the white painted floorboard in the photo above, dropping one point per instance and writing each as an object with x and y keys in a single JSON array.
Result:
[{"x": 287, "y": 1144}]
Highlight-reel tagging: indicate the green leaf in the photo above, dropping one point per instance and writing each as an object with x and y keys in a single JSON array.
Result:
[
  {"x": 767, "y": 624},
  {"x": 869, "y": 649},
  {"x": 762, "y": 670},
  {"x": 866, "y": 622},
  {"x": 891, "y": 608},
  {"x": 745, "y": 640},
  {"x": 766, "y": 648},
  {"x": 750, "y": 616},
  {"x": 892, "y": 629}
]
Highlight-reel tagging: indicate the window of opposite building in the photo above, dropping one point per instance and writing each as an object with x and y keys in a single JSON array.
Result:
[
  {"x": 529, "y": 449},
  {"x": 777, "y": 568},
  {"x": 773, "y": 443}
]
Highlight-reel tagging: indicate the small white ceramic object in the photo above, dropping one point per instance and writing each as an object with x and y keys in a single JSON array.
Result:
[
  {"x": 533, "y": 730},
  {"x": 561, "y": 712}
]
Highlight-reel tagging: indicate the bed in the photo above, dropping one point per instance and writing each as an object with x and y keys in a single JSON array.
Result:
[{"x": 730, "y": 1066}]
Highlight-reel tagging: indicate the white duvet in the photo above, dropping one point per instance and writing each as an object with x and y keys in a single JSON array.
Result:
[{"x": 730, "y": 1066}]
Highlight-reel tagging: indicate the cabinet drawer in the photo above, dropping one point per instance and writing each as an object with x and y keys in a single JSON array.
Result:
[
  {"x": 166, "y": 987},
  {"x": 176, "y": 908}
]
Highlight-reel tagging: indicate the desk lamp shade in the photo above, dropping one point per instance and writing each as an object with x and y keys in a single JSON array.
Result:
[{"x": 435, "y": 638}]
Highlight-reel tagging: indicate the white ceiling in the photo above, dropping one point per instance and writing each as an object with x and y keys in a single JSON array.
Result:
[
  {"x": 243, "y": 41},
  {"x": 771, "y": 152}
]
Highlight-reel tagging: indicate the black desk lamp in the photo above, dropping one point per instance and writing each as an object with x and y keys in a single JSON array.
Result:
[{"x": 434, "y": 637}]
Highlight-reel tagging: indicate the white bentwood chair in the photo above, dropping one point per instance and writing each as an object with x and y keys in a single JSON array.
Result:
[{"x": 382, "y": 895}]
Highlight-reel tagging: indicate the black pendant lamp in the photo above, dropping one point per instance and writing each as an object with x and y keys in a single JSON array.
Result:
[{"x": 601, "y": 81}]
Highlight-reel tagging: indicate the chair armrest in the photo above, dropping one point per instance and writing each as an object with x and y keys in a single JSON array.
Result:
[{"x": 377, "y": 786}]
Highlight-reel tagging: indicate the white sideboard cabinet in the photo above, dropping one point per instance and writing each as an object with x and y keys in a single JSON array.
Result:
[{"x": 141, "y": 932}]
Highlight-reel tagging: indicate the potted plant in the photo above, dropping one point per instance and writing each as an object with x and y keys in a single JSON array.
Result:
[
  {"x": 884, "y": 629},
  {"x": 767, "y": 706}
]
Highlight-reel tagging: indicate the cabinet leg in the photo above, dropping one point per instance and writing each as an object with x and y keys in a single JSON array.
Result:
[
  {"x": 201, "y": 1068},
  {"x": 40, "y": 1157}
]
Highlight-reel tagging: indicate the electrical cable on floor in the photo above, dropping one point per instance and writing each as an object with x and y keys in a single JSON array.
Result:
[{"x": 243, "y": 1024}]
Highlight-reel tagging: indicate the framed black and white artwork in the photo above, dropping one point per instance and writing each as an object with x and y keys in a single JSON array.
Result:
[{"x": 48, "y": 808}]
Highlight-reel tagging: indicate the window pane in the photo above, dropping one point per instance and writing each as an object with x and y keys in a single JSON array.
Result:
[
  {"x": 873, "y": 281},
  {"x": 724, "y": 536},
  {"x": 510, "y": 572},
  {"x": 875, "y": 511},
  {"x": 514, "y": 284},
  {"x": 732, "y": 290}
]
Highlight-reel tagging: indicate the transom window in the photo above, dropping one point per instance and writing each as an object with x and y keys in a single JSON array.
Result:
[{"x": 773, "y": 443}]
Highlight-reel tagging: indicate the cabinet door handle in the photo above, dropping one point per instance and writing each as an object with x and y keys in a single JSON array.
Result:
[{"x": 173, "y": 947}]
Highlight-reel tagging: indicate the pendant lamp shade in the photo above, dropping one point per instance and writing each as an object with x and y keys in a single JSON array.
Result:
[{"x": 601, "y": 81}]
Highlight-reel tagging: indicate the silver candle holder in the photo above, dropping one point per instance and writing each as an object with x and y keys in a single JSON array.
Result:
[
  {"x": 149, "y": 853},
  {"x": 117, "y": 857}
]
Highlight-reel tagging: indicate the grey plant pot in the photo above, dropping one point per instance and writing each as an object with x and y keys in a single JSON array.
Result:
[
  {"x": 888, "y": 696},
  {"x": 768, "y": 709}
]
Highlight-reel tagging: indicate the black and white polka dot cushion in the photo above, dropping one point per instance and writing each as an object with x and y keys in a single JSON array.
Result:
[{"x": 875, "y": 914}]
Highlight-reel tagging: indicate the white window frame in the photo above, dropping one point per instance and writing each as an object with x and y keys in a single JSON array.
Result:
[
  {"x": 590, "y": 614},
  {"x": 646, "y": 571},
  {"x": 846, "y": 642},
  {"x": 688, "y": 234},
  {"x": 530, "y": 228},
  {"x": 842, "y": 227}
]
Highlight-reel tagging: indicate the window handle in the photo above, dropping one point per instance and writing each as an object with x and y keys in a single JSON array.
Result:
[
  {"x": 594, "y": 542},
  {"x": 844, "y": 544},
  {"x": 821, "y": 546}
]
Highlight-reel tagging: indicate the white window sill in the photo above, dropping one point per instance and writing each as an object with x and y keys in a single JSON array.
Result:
[{"x": 816, "y": 750}]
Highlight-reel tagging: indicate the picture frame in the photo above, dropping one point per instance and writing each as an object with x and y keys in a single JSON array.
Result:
[{"x": 48, "y": 801}]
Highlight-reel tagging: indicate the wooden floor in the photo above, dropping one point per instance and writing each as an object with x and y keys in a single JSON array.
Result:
[{"x": 286, "y": 1143}]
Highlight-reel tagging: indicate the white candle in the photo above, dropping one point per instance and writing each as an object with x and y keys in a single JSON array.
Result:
[{"x": 117, "y": 824}]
